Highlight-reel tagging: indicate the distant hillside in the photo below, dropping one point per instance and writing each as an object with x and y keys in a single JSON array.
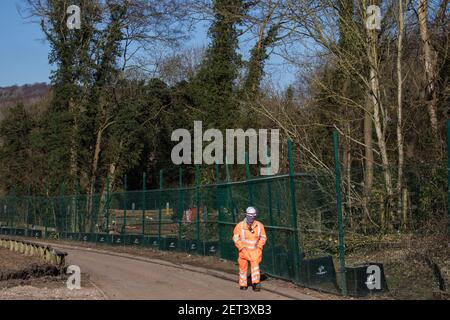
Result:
[{"x": 28, "y": 94}]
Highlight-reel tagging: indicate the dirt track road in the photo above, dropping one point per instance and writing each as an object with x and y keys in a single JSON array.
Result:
[{"x": 120, "y": 277}]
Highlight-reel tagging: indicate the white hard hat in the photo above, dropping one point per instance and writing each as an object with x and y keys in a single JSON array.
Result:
[{"x": 251, "y": 211}]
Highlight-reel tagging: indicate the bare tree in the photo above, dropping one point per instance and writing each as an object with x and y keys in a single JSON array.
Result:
[
  {"x": 429, "y": 62},
  {"x": 400, "y": 139}
]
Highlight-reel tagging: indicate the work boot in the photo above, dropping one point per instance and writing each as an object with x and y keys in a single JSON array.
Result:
[
  {"x": 243, "y": 288},
  {"x": 256, "y": 287}
]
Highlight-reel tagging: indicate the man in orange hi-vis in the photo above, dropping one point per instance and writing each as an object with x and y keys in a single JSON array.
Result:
[{"x": 249, "y": 238}]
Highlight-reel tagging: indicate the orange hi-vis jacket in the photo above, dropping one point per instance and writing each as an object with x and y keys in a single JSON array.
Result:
[{"x": 253, "y": 241}]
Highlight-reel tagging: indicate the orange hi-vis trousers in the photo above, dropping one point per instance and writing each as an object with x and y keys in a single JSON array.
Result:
[{"x": 250, "y": 241}]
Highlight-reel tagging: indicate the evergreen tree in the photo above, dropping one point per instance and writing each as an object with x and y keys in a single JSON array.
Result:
[
  {"x": 214, "y": 84},
  {"x": 16, "y": 151},
  {"x": 70, "y": 53},
  {"x": 259, "y": 55}
]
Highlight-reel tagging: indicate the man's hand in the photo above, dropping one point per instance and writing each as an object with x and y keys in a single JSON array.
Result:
[{"x": 259, "y": 250}]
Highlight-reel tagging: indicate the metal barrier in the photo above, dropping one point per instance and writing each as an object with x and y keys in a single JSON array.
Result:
[
  {"x": 315, "y": 219},
  {"x": 45, "y": 252}
]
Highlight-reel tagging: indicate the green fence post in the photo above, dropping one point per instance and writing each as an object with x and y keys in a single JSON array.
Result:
[
  {"x": 220, "y": 226},
  {"x": 248, "y": 176},
  {"x": 45, "y": 228},
  {"x": 28, "y": 210},
  {"x": 271, "y": 221},
  {"x": 340, "y": 214},
  {"x": 297, "y": 246},
  {"x": 144, "y": 190},
  {"x": 8, "y": 210},
  {"x": 125, "y": 194},
  {"x": 217, "y": 173},
  {"x": 227, "y": 171},
  {"x": 14, "y": 209},
  {"x": 272, "y": 240},
  {"x": 6, "y": 207},
  {"x": 77, "y": 212},
  {"x": 230, "y": 194},
  {"x": 180, "y": 204},
  {"x": 448, "y": 174},
  {"x": 47, "y": 205},
  {"x": 62, "y": 207},
  {"x": 197, "y": 200},
  {"x": 107, "y": 205},
  {"x": 90, "y": 209},
  {"x": 161, "y": 186},
  {"x": 56, "y": 225}
]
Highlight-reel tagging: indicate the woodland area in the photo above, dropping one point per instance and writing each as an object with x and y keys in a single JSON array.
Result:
[{"x": 126, "y": 80}]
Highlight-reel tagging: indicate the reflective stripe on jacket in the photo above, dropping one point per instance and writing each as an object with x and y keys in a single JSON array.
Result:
[{"x": 244, "y": 238}]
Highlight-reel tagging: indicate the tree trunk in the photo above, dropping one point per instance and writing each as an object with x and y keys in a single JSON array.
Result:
[
  {"x": 368, "y": 158},
  {"x": 379, "y": 117},
  {"x": 94, "y": 169},
  {"x": 400, "y": 143},
  {"x": 95, "y": 161},
  {"x": 109, "y": 182},
  {"x": 405, "y": 209},
  {"x": 73, "y": 142},
  {"x": 348, "y": 168},
  {"x": 429, "y": 64},
  {"x": 258, "y": 62},
  {"x": 346, "y": 156}
]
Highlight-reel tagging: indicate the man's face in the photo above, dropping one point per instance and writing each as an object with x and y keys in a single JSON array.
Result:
[{"x": 250, "y": 219}]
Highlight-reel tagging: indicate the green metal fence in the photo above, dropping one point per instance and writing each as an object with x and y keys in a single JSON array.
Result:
[
  {"x": 303, "y": 214},
  {"x": 298, "y": 210},
  {"x": 196, "y": 219}
]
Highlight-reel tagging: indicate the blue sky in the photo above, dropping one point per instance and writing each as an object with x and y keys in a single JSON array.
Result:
[{"x": 24, "y": 54}]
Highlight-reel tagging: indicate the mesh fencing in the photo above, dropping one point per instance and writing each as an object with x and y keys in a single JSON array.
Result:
[
  {"x": 197, "y": 219},
  {"x": 406, "y": 232},
  {"x": 299, "y": 212}
]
